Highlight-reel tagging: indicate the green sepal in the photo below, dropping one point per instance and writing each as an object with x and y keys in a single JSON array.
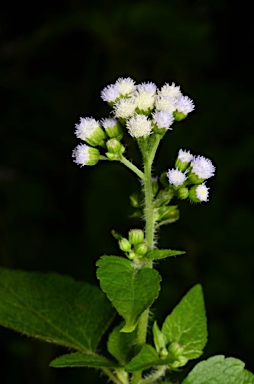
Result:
[
  {"x": 146, "y": 358},
  {"x": 219, "y": 370},
  {"x": 54, "y": 308},
  {"x": 157, "y": 254},
  {"x": 166, "y": 214},
  {"x": 121, "y": 345},
  {"x": 130, "y": 290},
  {"x": 186, "y": 324},
  {"x": 82, "y": 360}
]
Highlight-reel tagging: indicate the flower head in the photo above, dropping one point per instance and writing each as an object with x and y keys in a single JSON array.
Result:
[
  {"x": 163, "y": 119},
  {"x": 110, "y": 93},
  {"x": 202, "y": 167},
  {"x": 85, "y": 155},
  {"x": 176, "y": 177},
  {"x": 89, "y": 130},
  {"x": 147, "y": 87},
  {"x": 165, "y": 103},
  {"x": 139, "y": 126},
  {"x": 184, "y": 105},
  {"x": 108, "y": 122},
  {"x": 144, "y": 100},
  {"x": 199, "y": 193},
  {"x": 185, "y": 156},
  {"x": 125, "y": 108},
  {"x": 170, "y": 90},
  {"x": 125, "y": 86}
]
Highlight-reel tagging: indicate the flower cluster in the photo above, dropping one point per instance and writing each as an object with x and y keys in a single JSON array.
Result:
[
  {"x": 142, "y": 108},
  {"x": 189, "y": 176}
]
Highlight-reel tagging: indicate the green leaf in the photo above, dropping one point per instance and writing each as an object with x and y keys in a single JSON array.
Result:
[
  {"x": 78, "y": 359},
  {"x": 54, "y": 308},
  {"x": 147, "y": 358},
  {"x": 122, "y": 345},
  {"x": 157, "y": 254},
  {"x": 186, "y": 324},
  {"x": 131, "y": 291},
  {"x": 219, "y": 370}
]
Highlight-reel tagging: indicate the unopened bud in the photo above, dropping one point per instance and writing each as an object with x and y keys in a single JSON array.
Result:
[
  {"x": 124, "y": 245},
  {"x": 175, "y": 349},
  {"x": 141, "y": 249},
  {"x": 136, "y": 236},
  {"x": 134, "y": 200},
  {"x": 183, "y": 193},
  {"x": 114, "y": 146}
]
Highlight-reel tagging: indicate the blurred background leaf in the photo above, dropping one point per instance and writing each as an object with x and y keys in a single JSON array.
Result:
[{"x": 55, "y": 57}]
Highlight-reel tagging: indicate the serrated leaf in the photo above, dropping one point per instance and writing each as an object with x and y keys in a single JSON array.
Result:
[
  {"x": 78, "y": 359},
  {"x": 121, "y": 345},
  {"x": 157, "y": 254},
  {"x": 146, "y": 358},
  {"x": 219, "y": 370},
  {"x": 54, "y": 308},
  {"x": 130, "y": 291},
  {"x": 186, "y": 324}
]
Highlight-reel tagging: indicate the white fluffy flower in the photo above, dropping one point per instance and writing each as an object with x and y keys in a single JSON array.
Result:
[
  {"x": 185, "y": 156},
  {"x": 139, "y": 126},
  {"x": 85, "y": 155},
  {"x": 202, "y": 167},
  {"x": 176, "y": 177},
  {"x": 110, "y": 93},
  {"x": 165, "y": 103},
  {"x": 125, "y": 108},
  {"x": 147, "y": 87},
  {"x": 86, "y": 128},
  {"x": 125, "y": 86},
  {"x": 202, "y": 192},
  {"x": 163, "y": 119},
  {"x": 184, "y": 104},
  {"x": 108, "y": 122},
  {"x": 144, "y": 100},
  {"x": 170, "y": 90}
]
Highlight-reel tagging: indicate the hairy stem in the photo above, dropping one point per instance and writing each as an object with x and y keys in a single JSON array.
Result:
[
  {"x": 155, "y": 376},
  {"x": 148, "y": 150}
]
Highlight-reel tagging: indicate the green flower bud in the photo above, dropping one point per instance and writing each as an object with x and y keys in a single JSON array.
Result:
[
  {"x": 180, "y": 362},
  {"x": 114, "y": 146},
  {"x": 132, "y": 255},
  {"x": 124, "y": 245},
  {"x": 175, "y": 349},
  {"x": 112, "y": 156},
  {"x": 179, "y": 116},
  {"x": 141, "y": 249},
  {"x": 169, "y": 213},
  {"x": 136, "y": 236},
  {"x": 113, "y": 128},
  {"x": 183, "y": 193},
  {"x": 134, "y": 200}
]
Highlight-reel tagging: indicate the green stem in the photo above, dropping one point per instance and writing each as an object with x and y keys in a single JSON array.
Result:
[
  {"x": 155, "y": 376},
  {"x": 132, "y": 167},
  {"x": 128, "y": 164},
  {"x": 148, "y": 150},
  {"x": 112, "y": 377}
]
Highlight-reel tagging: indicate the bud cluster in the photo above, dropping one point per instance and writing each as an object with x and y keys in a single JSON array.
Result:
[
  {"x": 135, "y": 246},
  {"x": 142, "y": 108}
]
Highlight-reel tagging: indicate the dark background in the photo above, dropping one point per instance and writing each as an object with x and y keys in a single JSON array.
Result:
[{"x": 55, "y": 59}]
